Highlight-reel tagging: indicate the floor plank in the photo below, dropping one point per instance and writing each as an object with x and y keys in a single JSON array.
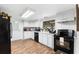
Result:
[{"x": 29, "y": 46}]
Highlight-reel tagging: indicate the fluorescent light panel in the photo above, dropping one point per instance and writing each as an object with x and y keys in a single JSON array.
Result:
[{"x": 27, "y": 14}]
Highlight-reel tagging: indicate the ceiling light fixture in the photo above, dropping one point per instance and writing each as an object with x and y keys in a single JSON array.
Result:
[{"x": 27, "y": 14}]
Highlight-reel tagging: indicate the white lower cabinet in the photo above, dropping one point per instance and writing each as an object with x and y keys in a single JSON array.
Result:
[
  {"x": 41, "y": 38},
  {"x": 28, "y": 35},
  {"x": 46, "y": 39},
  {"x": 50, "y": 41}
]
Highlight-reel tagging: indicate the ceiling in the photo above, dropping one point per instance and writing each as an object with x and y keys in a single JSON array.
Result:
[{"x": 41, "y": 10}]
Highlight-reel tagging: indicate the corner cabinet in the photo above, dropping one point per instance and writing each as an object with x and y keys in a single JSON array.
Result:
[
  {"x": 47, "y": 39},
  {"x": 28, "y": 34}
]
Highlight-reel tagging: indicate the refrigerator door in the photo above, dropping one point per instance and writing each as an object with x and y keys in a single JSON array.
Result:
[{"x": 5, "y": 45}]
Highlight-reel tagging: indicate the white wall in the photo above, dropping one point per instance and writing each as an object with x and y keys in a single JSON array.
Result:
[
  {"x": 68, "y": 25},
  {"x": 17, "y": 28},
  {"x": 65, "y": 16},
  {"x": 76, "y": 44},
  {"x": 33, "y": 24}
]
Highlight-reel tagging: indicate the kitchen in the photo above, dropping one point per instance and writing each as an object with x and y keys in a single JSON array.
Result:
[{"x": 40, "y": 22}]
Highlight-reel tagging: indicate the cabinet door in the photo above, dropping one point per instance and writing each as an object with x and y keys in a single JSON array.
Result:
[
  {"x": 45, "y": 38},
  {"x": 32, "y": 35},
  {"x": 40, "y": 38},
  {"x": 50, "y": 41},
  {"x": 26, "y": 35}
]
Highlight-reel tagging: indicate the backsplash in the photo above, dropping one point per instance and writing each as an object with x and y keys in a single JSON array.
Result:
[
  {"x": 31, "y": 28},
  {"x": 48, "y": 25}
]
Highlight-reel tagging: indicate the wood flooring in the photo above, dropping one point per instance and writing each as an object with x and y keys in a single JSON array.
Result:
[{"x": 28, "y": 46}]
